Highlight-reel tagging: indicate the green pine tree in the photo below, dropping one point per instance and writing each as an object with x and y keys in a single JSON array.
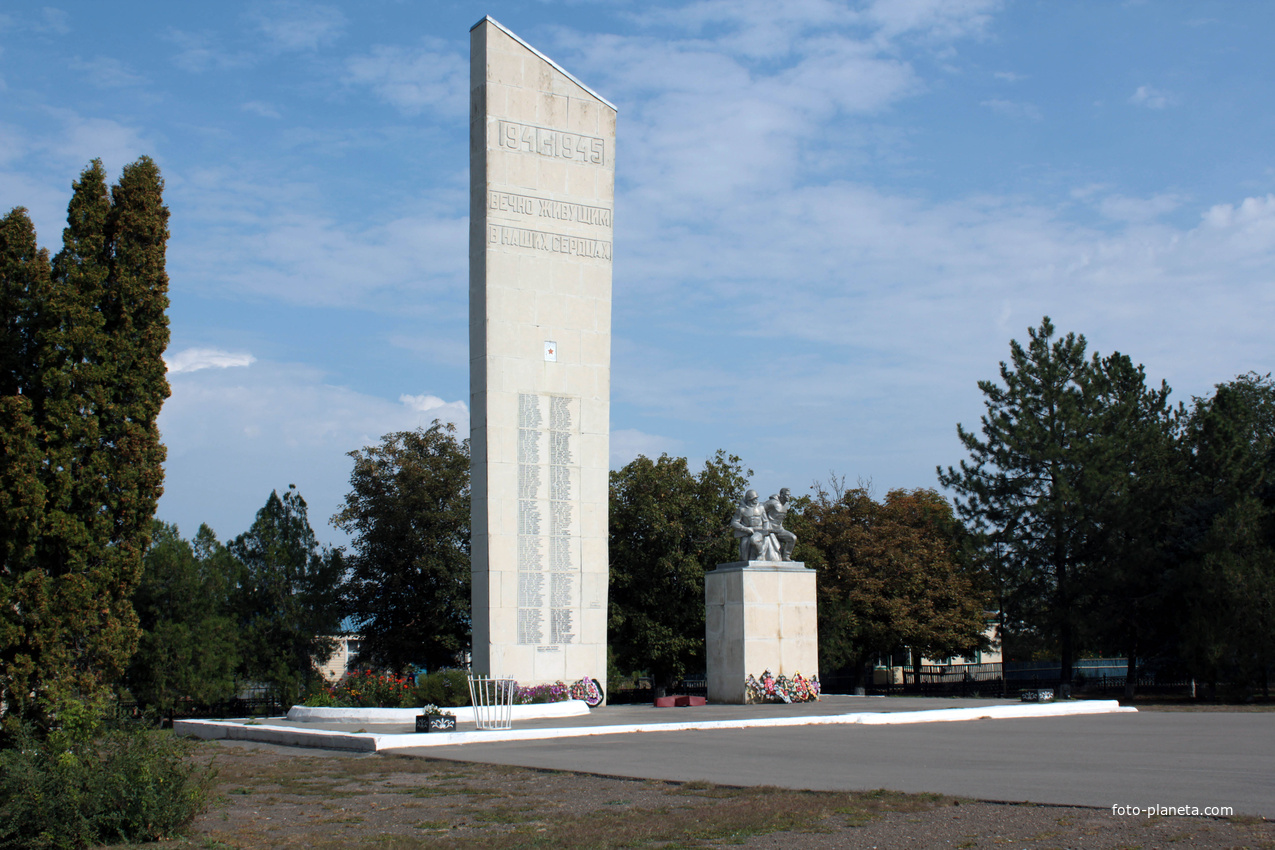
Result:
[
  {"x": 1225, "y": 587},
  {"x": 1134, "y": 486},
  {"x": 189, "y": 644},
  {"x": 1027, "y": 481},
  {"x": 288, "y": 597}
]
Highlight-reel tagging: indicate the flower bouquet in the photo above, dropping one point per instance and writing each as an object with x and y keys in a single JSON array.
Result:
[
  {"x": 770, "y": 688},
  {"x": 589, "y": 690}
]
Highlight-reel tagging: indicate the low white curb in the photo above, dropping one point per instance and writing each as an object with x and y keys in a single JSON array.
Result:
[
  {"x": 289, "y": 736},
  {"x": 307, "y": 714},
  {"x": 369, "y": 742}
]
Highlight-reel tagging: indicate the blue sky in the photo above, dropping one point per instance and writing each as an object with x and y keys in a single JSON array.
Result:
[{"x": 831, "y": 217}]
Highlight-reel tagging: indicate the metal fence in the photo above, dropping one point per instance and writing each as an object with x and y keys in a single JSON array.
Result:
[
  {"x": 236, "y": 707},
  {"x": 987, "y": 680},
  {"x": 640, "y": 696}
]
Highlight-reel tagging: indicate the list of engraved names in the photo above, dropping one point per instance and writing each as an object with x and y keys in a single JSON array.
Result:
[{"x": 548, "y": 561}]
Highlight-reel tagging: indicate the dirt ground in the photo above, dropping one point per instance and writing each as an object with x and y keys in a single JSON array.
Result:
[{"x": 267, "y": 797}]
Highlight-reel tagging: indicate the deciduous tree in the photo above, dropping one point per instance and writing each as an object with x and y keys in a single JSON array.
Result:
[
  {"x": 667, "y": 527},
  {"x": 890, "y": 577},
  {"x": 408, "y": 514}
]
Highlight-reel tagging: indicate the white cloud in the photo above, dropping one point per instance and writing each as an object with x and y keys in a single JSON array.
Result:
[
  {"x": 758, "y": 28},
  {"x": 258, "y": 107},
  {"x": 1013, "y": 109},
  {"x": 1121, "y": 208},
  {"x": 199, "y": 52},
  {"x": 1009, "y": 76},
  {"x": 107, "y": 72},
  {"x": 1250, "y": 210},
  {"x": 453, "y": 411},
  {"x": 1247, "y": 234},
  {"x": 431, "y": 77},
  {"x": 260, "y": 236},
  {"x": 940, "y": 20},
  {"x": 1151, "y": 98},
  {"x": 53, "y": 20},
  {"x": 628, "y": 443},
  {"x": 292, "y": 25},
  {"x": 702, "y": 124},
  {"x": 194, "y": 359},
  {"x": 83, "y": 139},
  {"x": 314, "y": 260},
  {"x": 233, "y": 435}
]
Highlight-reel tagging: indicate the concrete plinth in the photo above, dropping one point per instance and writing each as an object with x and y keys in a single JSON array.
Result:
[{"x": 759, "y": 615}]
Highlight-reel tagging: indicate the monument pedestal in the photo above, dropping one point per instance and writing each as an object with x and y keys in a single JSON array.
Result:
[{"x": 759, "y": 615}]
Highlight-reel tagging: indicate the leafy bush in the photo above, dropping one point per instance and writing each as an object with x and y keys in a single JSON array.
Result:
[
  {"x": 320, "y": 697},
  {"x": 130, "y": 784},
  {"x": 444, "y": 687},
  {"x": 366, "y": 689}
]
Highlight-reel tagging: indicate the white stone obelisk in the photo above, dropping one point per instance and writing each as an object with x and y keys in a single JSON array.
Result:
[{"x": 542, "y": 189}]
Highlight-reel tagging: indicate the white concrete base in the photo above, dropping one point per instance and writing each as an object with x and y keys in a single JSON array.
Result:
[
  {"x": 369, "y": 742},
  {"x": 758, "y": 616}
]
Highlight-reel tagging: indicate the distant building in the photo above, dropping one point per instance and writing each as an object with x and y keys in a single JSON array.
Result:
[
  {"x": 348, "y": 644},
  {"x": 986, "y": 664}
]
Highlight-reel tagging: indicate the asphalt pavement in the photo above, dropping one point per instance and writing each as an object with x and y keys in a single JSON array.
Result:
[{"x": 1139, "y": 759}]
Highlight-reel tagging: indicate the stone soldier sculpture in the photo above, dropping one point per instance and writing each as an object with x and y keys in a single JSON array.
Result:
[
  {"x": 776, "y": 512},
  {"x": 753, "y": 530}
]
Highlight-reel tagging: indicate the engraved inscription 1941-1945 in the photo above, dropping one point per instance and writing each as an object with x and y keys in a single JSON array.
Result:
[{"x": 546, "y": 141}]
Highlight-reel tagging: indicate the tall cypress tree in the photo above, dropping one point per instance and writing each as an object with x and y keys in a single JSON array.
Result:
[
  {"x": 24, "y": 282},
  {"x": 85, "y": 385}
]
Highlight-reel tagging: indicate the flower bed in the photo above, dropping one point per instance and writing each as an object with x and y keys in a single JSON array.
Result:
[
  {"x": 366, "y": 689},
  {"x": 770, "y": 688},
  {"x": 586, "y": 689}
]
